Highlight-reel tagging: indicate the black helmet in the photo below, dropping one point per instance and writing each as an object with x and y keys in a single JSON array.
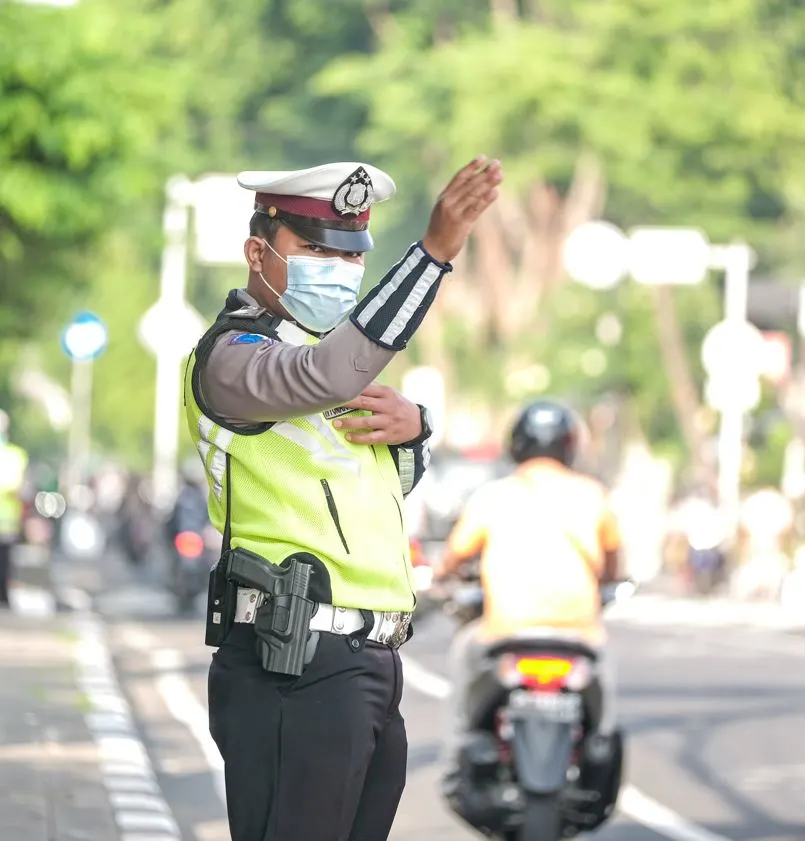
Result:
[{"x": 545, "y": 429}]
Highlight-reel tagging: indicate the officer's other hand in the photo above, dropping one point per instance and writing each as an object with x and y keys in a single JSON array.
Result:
[
  {"x": 471, "y": 191},
  {"x": 394, "y": 420}
]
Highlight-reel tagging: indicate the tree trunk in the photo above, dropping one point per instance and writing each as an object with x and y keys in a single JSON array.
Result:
[{"x": 680, "y": 379}]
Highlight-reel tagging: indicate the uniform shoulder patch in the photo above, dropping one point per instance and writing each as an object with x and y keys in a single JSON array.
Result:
[{"x": 250, "y": 339}]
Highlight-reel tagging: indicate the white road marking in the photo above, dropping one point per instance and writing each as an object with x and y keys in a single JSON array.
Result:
[
  {"x": 179, "y": 698},
  {"x": 714, "y": 612},
  {"x": 140, "y": 810},
  {"x": 423, "y": 680},
  {"x": 31, "y": 601},
  {"x": 660, "y": 819},
  {"x": 632, "y": 802}
]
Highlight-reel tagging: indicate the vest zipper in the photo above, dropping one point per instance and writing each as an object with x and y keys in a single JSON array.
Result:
[{"x": 328, "y": 495}]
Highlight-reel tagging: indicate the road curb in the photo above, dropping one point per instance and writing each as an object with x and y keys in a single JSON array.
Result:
[{"x": 140, "y": 809}]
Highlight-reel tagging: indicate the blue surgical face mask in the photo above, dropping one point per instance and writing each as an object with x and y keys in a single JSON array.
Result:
[{"x": 321, "y": 291}]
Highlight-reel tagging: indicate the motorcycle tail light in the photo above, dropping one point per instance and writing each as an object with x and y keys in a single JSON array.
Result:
[
  {"x": 417, "y": 555},
  {"x": 189, "y": 544},
  {"x": 542, "y": 672}
]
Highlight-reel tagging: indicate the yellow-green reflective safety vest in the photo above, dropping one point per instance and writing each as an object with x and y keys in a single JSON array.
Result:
[{"x": 300, "y": 486}]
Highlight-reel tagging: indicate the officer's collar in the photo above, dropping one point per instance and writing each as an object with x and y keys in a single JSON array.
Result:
[
  {"x": 289, "y": 331},
  {"x": 292, "y": 333}
]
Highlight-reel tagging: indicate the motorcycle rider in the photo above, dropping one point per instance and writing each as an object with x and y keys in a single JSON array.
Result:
[
  {"x": 189, "y": 515},
  {"x": 547, "y": 540},
  {"x": 190, "y": 509}
]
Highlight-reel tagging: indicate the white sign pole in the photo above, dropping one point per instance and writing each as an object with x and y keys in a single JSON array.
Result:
[
  {"x": 425, "y": 385},
  {"x": 168, "y": 383},
  {"x": 82, "y": 340},
  {"x": 171, "y": 325},
  {"x": 78, "y": 445},
  {"x": 737, "y": 264}
]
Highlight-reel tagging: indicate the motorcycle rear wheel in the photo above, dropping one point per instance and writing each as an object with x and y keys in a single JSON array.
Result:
[{"x": 542, "y": 819}]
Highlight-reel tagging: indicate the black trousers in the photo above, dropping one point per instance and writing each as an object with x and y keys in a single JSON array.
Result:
[
  {"x": 320, "y": 757},
  {"x": 5, "y": 571}
]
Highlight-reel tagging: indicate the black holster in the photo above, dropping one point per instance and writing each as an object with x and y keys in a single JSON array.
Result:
[{"x": 282, "y": 622}]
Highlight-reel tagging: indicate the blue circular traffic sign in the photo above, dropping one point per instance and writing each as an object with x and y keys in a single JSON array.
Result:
[{"x": 84, "y": 338}]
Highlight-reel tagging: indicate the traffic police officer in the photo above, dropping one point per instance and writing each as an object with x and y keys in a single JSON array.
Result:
[{"x": 306, "y": 453}]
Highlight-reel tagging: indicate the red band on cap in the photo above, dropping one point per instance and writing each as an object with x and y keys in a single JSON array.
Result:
[{"x": 302, "y": 206}]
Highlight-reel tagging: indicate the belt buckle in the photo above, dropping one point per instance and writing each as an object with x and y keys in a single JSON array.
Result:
[{"x": 400, "y": 632}]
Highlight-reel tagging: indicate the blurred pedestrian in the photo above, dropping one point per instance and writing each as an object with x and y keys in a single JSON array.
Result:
[
  {"x": 13, "y": 464},
  {"x": 766, "y": 526}
]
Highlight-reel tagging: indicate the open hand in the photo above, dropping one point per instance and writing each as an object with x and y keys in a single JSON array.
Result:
[
  {"x": 470, "y": 192},
  {"x": 394, "y": 419}
]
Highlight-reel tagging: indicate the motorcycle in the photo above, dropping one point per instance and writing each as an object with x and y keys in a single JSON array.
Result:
[
  {"x": 195, "y": 552},
  {"x": 532, "y": 767}
]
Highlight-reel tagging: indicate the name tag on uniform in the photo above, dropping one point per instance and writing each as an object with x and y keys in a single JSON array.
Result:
[{"x": 337, "y": 412}]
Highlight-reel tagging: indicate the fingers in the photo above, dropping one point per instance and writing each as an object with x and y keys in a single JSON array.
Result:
[
  {"x": 377, "y": 436},
  {"x": 464, "y": 174},
  {"x": 472, "y": 211},
  {"x": 371, "y": 398},
  {"x": 376, "y": 390},
  {"x": 478, "y": 186},
  {"x": 361, "y": 422}
]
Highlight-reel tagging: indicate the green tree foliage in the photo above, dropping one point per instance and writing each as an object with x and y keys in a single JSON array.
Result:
[
  {"x": 693, "y": 110},
  {"x": 83, "y": 127}
]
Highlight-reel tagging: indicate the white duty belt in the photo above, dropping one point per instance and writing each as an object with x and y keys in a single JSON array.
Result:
[{"x": 389, "y": 627}]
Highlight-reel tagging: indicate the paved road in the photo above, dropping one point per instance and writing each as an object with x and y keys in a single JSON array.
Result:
[{"x": 716, "y": 717}]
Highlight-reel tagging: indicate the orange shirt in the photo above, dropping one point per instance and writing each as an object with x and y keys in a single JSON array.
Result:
[{"x": 542, "y": 534}]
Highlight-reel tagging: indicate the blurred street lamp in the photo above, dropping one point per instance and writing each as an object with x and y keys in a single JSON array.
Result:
[
  {"x": 599, "y": 255},
  {"x": 83, "y": 340},
  {"x": 736, "y": 373},
  {"x": 672, "y": 256},
  {"x": 596, "y": 255},
  {"x": 171, "y": 326}
]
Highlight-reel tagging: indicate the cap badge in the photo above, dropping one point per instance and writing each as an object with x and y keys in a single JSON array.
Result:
[{"x": 355, "y": 194}]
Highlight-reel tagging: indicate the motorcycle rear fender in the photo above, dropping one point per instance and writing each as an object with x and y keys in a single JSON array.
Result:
[{"x": 542, "y": 754}]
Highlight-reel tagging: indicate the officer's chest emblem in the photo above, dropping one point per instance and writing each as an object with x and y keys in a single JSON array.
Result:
[{"x": 355, "y": 194}]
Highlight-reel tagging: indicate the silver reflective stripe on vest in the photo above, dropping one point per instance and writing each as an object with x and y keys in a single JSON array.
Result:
[
  {"x": 218, "y": 439},
  {"x": 425, "y": 455},
  {"x": 315, "y": 445},
  {"x": 205, "y": 428},
  {"x": 405, "y": 466},
  {"x": 204, "y": 450}
]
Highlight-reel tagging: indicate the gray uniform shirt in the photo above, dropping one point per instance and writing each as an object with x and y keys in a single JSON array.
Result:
[{"x": 274, "y": 381}]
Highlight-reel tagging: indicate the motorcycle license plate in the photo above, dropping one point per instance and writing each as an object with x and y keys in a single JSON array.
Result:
[{"x": 553, "y": 706}]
